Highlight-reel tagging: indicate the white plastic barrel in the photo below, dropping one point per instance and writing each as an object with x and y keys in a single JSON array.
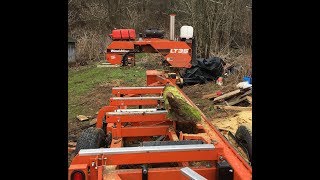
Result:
[{"x": 186, "y": 32}]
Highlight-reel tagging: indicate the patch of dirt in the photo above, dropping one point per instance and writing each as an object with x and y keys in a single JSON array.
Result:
[
  {"x": 111, "y": 84},
  {"x": 94, "y": 101},
  {"x": 195, "y": 93}
]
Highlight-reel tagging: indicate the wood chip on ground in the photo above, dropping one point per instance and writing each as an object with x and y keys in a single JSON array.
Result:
[
  {"x": 72, "y": 144},
  {"x": 82, "y": 118},
  {"x": 93, "y": 121}
]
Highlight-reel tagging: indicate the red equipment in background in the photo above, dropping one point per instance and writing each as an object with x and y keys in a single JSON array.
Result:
[
  {"x": 123, "y": 34},
  {"x": 124, "y": 46},
  {"x": 178, "y": 53}
]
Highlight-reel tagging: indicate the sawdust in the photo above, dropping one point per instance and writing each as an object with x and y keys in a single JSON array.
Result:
[{"x": 231, "y": 123}]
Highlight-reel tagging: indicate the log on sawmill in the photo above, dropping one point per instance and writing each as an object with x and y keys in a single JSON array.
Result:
[{"x": 178, "y": 108}]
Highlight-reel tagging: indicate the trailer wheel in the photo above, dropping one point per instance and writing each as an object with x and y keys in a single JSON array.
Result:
[
  {"x": 91, "y": 138},
  {"x": 244, "y": 134}
]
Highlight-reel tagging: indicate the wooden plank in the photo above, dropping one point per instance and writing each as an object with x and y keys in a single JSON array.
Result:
[
  {"x": 210, "y": 96},
  {"x": 247, "y": 93},
  {"x": 227, "y": 95},
  {"x": 249, "y": 98},
  {"x": 82, "y": 118},
  {"x": 239, "y": 98},
  {"x": 231, "y": 103},
  {"x": 236, "y": 108},
  {"x": 107, "y": 65}
]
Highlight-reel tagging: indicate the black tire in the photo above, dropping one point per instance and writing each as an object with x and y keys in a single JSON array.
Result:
[
  {"x": 91, "y": 138},
  {"x": 244, "y": 134}
]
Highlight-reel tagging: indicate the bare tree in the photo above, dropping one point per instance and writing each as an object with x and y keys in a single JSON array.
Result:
[{"x": 220, "y": 26}]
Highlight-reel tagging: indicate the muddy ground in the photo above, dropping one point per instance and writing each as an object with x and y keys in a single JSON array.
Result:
[{"x": 94, "y": 100}]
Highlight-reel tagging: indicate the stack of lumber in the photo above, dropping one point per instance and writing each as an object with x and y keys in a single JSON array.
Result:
[{"x": 230, "y": 99}]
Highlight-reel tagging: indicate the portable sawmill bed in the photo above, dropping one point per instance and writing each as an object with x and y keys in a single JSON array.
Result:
[{"x": 144, "y": 144}]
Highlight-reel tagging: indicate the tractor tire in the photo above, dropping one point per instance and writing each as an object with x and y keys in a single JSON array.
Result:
[
  {"x": 91, "y": 138},
  {"x": 244, "y": 134}
]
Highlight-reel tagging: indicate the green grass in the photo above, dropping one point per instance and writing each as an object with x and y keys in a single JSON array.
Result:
[
  {"x": 141, "y": 55},
  {"x": 82, "y": 81}
]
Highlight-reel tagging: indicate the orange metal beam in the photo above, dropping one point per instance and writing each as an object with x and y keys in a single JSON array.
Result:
[
  {"x": 100, "y": 171},
  {"x": 136, "y": 118},
  {"x": 133, "y": 102},
  {"x": 172, "y": 135},
  {"x": 165, "y": 173},
  {"x": 112, "y": 176},
  {"x": 125, "y": 91},
  {"x": 153, "y": 157},
  {"x": 200, "y": 136},
  {"x": 102, "y": 112},
  {"x": 116, "y": 143},
  {"x": 141, "y": 131}
]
